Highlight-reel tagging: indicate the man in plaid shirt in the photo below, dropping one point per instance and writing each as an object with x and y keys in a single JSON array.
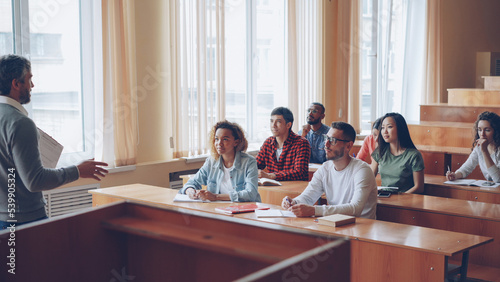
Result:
[{"x": 285, "y": 155}]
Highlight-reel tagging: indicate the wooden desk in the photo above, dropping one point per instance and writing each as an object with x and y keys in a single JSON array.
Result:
[
  {"x": 273, "y": 194},
  {"x": 128, "y": 241},
  {"x": 384, "y": 251},
  {"x": 448, "y": 214},
  {"x": 434, "y": 186}
]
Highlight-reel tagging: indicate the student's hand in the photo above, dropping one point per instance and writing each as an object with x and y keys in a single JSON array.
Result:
[
  {"x": 192, "y": 193},
  {"x": 450, "y": 175},
  {"x": 263, "y": 174},
  {"x": 302, "y": 210},
  {"x": 92, "y": 169},
  {"x": 305, "y": 129},
  {"x": 482, "y": 144},
  {"x": 205, "y": 195},
  {"x": 287, "y": 202}
]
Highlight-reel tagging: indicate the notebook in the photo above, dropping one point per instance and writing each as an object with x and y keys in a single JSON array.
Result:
[{"x": 240, "y": 208}]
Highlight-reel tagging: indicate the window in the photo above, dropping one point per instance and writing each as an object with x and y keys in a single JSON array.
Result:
[
  {"x": 255, "y": 60},
  {"x": 393, "y": 42},
  {"x": 231, "y": 65},
  {"x": 55, "y": 35}
]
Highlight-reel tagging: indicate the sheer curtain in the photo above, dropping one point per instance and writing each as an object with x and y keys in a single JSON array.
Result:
[
  {"x": 304, "y": 57},
  {"x": 401, "y": 52},
  {"x": 119, "y": 114},
  {"x": 354, "y": 117},
  {"x": 198, "y": 26}
]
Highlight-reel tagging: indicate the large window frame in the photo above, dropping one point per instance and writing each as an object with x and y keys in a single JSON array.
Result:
[{"x": 90, "y": 54}]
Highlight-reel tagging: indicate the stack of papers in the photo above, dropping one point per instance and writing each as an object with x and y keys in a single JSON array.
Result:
[
  {"x": 185, "y": 198},
  {"x": 274, "y": 213}
]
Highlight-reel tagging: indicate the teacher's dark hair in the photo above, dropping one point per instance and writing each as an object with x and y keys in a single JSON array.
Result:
[{"x": 12, "y": 67}]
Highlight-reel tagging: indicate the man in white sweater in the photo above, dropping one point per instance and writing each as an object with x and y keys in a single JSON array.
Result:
[{"x": 348, "y": 183}]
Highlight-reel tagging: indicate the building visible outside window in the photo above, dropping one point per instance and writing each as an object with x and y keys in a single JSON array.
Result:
[{"x": 50, "y": 34}]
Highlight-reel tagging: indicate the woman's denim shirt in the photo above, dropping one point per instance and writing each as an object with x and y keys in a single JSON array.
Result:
[{"x": 244, "y": 178}]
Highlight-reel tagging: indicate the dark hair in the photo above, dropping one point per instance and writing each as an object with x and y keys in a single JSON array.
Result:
[
  {"x": 320, "y": 105},
  {"x": 348, "y": 132},
  {"x": 494, "y": 121},
  {"x": 237, "y": 134},
  {"x": 12, "y": 67},
  {"x": 403, "y": 134},
  {"x": 377, "y": 124},
  {"x": 285, "y": 112}
]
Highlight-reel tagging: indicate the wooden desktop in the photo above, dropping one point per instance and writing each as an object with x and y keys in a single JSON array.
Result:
[
  {"x": 456, "y": 215},
  {"x": 383, "y": 250},
  {"x": 133, "y": 242}
]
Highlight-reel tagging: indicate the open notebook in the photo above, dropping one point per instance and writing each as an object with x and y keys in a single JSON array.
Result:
[{"x": 473, "y": 182}]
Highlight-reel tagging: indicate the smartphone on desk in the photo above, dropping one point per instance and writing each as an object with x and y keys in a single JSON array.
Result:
[{"x": 384, "y": 194}]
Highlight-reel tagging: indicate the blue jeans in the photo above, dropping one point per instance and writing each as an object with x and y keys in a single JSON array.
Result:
[{"x": 5, "y": 224}]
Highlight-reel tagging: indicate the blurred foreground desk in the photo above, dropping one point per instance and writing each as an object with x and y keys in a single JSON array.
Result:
[
  {"x": 380, "y": 251},
  {"x": 135, "y": 242},
  {"x": 448, "y": 214}
]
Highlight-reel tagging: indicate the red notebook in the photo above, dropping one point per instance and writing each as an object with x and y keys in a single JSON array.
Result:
[{"x": 240, "y": 208}]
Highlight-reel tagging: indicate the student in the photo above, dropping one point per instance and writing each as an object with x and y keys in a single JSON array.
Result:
[
  {"x": 314, "y": 130},
  {"x": 229, "y": 173},
  {"x": 348, "y": 183},
  {"x": 370, "y": 142},
  {"x": 285, "y": 155},
  {"x": 22, "y": 171},
  {"x": 396, "y": 158},
  {"x": 485, "y": 150}
]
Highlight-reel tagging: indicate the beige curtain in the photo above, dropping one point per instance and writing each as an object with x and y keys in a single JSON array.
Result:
[
  {"x": 341, "y": 61},
  {"x": 197, "y": 30},
  {"x": 120, "y": 79},
  {"x": 432, "y": 72},
  {"x": 304, "y": 57},
  {"x": 354, "y": 93}
]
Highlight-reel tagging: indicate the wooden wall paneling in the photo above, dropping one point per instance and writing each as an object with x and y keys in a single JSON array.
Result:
[
  {"x": 73, "y": 247},
  {"x": 442, "y": 134},
  {"x": 472, "y": 96},
  {"x": 421, "y": 266},
  {"x": 435, "y": 163},
  {"x": 451, "y": 113}
]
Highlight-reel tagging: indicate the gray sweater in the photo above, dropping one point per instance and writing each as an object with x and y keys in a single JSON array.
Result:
[{"x": 22, "y": 168}]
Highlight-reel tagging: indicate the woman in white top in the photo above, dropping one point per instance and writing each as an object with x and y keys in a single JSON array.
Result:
[
  {"x": 485, "y": 149},
  {"x": 229, "y": 173}
]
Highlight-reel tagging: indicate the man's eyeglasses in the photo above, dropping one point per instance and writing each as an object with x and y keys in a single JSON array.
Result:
[
  {"x": 333, "y": 140},
  {"x": 312, "y": 111}
]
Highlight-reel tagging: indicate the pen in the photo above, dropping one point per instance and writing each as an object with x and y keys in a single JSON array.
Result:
[{"x": 449, "y": 170}]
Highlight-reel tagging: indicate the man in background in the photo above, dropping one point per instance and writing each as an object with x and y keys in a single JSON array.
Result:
[
  {"x": 314, "y": 130},
  {"x": 285, "y": 155}
]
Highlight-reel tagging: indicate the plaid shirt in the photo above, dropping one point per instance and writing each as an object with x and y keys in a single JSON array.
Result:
[{"x": 294, "y": 159}]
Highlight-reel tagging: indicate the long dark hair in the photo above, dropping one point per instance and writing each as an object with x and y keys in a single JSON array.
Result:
[
  {"x": 403, "y": 134},
  {"x": 494, "y": 121}
]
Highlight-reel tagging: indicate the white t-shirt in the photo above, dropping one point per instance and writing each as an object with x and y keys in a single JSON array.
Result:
[
  {"x": 352, "y": 191},
  {"x": 226, "y": 186},
  {"x": 278, "y": 153}
]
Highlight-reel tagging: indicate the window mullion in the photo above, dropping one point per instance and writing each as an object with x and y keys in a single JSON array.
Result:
[
  {"x": 251, "y": 97},
  {"x": 21, "y": 26}
]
